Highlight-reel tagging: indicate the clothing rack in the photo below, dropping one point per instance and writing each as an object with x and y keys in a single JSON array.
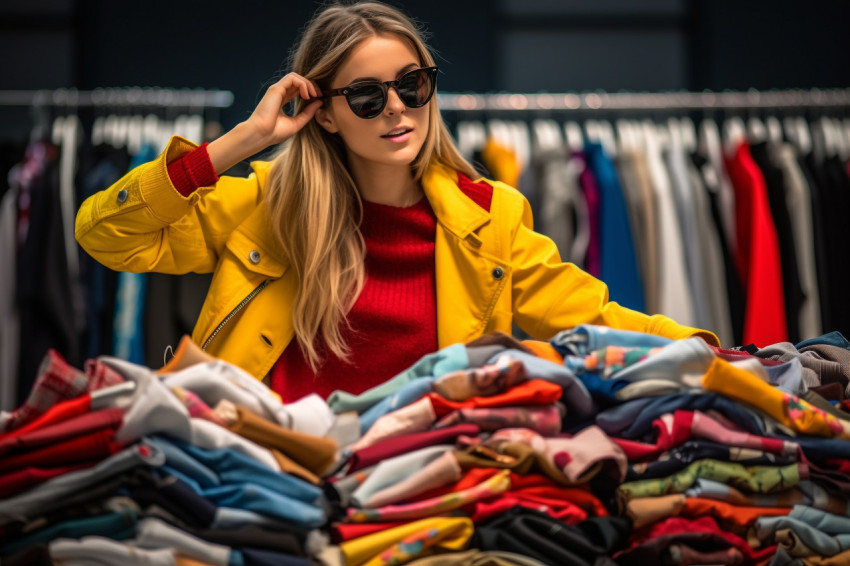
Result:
[
  {"x": 592, "y": 101},
  {"x": 128, "y": 96}
]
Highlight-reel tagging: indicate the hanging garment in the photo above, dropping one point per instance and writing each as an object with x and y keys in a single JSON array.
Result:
[
  {"x": 763, "y": 155},
  {"x": 798, "y": 201},
  {"x": 734, "y": 290},
  {"x": 590, "y": 191},
  {"x": 711, "y": 251},
  {"x": 673, "y": 290},
  {"x": 643, "y": 212},
  {"x": 686, "y": 214},
  {"x": 128, "y": 328},
  {"x": 559, "y": 217},
  {"x": 758, "y": 256},
  {"x": 9, "y": 322},
  {"x": 618, "y": 265}
]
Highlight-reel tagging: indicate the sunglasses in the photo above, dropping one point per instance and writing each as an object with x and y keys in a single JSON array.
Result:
[{"x": 369, "y": 98}]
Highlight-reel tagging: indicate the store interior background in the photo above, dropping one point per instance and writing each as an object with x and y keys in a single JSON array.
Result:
[{"x": 482, "y": 45}]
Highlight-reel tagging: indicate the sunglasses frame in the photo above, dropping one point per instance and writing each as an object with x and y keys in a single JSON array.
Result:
[{"x": 385, "y": 87}]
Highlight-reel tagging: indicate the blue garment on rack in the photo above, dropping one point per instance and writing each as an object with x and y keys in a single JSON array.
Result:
[
  {"x": 128, "y": 332},
  {"x": 619, "y": 267}
]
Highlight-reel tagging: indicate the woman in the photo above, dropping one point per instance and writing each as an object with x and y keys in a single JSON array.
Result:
[{"x": 363, "y": 243}]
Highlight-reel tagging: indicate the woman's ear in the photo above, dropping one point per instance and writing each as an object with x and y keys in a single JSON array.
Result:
[{"x": 326, "y": 120}]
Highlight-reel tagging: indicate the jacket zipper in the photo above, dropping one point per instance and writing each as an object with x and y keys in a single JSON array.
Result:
[{"x": 234, "y": 312}]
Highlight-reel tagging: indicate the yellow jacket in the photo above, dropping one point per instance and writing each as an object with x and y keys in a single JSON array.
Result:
[{"x": 491, "y": 267}]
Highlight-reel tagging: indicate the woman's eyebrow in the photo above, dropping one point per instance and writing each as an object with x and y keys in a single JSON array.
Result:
[{"x": 401, "y": 72}]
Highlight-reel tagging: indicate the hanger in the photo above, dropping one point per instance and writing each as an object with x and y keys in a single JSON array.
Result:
[
  {"x": 838, "y": 141},
  {"x": 543, "y": 137},
  {"x": 846, "y": 130},
  {"x": 607, "y": 137},
  {"x": 842, "y": 142},
  {"x": 591, "y": 130},
  {"x": 774, "y": 129},
  {"x": 804, "y": 135},
  {"x": 521, "y": 141},
  {"x": 789, "y": 127},
  {"x": 135, "y": 132},
  {"x": 689, "y": 134},
  {"x": 574, "y": 137},
  {"x": 663, "y": 136},
  {"x": 625, "y": 138},
  {"x": 57, "y": 129},
  {"x": 471, "y": 137},
  {"x": 756, "y": 130},
  {"x": 734, "y": 133}
]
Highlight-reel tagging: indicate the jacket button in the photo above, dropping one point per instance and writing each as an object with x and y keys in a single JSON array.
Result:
[
  {"x": 254, "y": 257},
  {"x": 122, "y": 196},
  {"x": 498, "y": 273}
]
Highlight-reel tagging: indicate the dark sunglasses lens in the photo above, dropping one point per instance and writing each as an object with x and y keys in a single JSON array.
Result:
[
  {"x": 366, "y": 101},
  {"x": 415, "y": 88}
]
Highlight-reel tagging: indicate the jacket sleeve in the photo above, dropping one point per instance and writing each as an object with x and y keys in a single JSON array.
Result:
[
  {"x": 142, "y": 223},
  {"x": 550, "y": 295}
]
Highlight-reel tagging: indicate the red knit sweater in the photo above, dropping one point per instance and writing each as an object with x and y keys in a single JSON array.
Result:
[{"x": 394, "y": 320}]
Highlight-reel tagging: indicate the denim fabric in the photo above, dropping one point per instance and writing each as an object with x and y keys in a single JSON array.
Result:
[
  {"x": 634, "y": 419},
  {"x": 431, "y": 366},
  {"x": 235, "y": 468},
  {"x": 576, "y": 396},
  {"x": 409, "y": 393},
  {"x": 231, "y": 479},
  {"x": 184, "y": 466},
  {"x": 603, "y": 391},
  {"x": 253, "y": 497},
  {"x": 834, "y": 338},
  {"x": 585, "y": 338},
  {"x": 118, "y": 526}
]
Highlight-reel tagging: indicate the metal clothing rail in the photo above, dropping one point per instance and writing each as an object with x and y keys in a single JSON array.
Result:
[
  {"x": 834, "y": 98},
  {"x": 128, "y": 96}
]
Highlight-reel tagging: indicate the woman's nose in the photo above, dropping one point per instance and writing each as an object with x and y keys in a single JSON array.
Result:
[{"x": 394, "y": 103}]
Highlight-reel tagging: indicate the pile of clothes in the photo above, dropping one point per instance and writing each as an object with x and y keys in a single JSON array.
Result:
[{"x": 598, "y": 447}]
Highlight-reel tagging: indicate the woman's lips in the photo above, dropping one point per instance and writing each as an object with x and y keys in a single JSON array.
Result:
[{"x": 400, "y": 137}]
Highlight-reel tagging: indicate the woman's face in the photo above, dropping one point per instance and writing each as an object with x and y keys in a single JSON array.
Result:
[{"x": 376, "y": 141}]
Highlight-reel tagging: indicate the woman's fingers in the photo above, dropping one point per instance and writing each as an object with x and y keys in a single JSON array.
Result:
[{"x": 294, "y": 84}]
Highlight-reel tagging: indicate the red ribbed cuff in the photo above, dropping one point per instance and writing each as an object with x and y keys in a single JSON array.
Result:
[{"x": 192, "y": 170}]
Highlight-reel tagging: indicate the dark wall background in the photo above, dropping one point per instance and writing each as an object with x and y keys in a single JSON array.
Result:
[{"x": 482, "y": 45}]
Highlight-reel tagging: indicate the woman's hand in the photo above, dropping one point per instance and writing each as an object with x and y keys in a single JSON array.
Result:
[
  {"x": 269, "y": 121},
  {"x": 267, "y": 125}
]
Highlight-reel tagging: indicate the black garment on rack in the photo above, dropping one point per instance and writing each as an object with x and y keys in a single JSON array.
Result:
[
  {"x": 42, "y": 285},
  {"x": 99, "y": 167},
  {"x": 792, "y": 289},
  {"x": 834, "y": 201},
  {"x": 836, "y": 173}
]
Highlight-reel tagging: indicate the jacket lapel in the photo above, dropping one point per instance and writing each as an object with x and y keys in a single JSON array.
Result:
[{"x": 467, "y": 290}]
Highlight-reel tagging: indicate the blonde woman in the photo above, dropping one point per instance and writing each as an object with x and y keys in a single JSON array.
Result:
[{"x": 364, "y": 243}]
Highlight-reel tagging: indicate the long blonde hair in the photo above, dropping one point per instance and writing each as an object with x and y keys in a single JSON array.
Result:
[{"x": 313, "y": 203}]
